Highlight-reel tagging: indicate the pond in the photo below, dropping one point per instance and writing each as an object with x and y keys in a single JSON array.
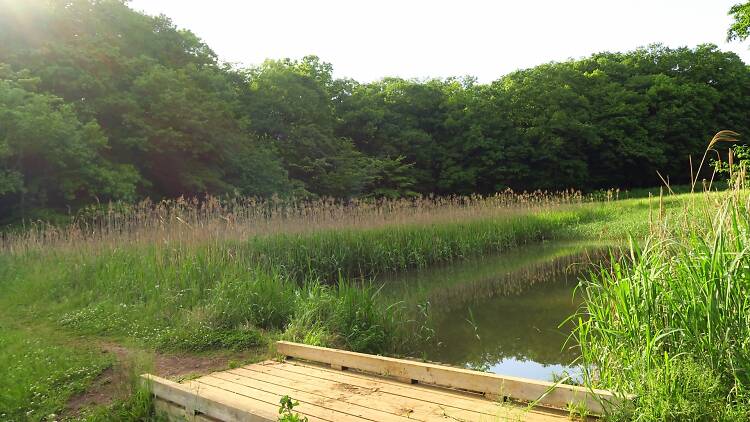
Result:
[{"x": 503, "y": 314}]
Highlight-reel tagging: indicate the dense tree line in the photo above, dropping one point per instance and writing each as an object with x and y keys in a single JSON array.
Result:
[{"x": 99, "y": 103}]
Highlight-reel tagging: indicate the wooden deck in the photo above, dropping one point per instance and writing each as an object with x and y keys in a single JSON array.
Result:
[{"x": 390, "y": 390}]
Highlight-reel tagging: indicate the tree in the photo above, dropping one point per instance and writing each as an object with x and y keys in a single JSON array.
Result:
[
  {"x": 291, "y": 102},
  {"x": 396, "y": 117},
  {"x": 48, "y": 156},
  {"x": 101, "y": 102},
  {"x": 740, "y": 28},
  {"x": 168, "y": 109}
]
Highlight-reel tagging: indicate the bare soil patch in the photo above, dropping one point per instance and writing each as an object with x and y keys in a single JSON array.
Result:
[{"x": 117, "y": 382}]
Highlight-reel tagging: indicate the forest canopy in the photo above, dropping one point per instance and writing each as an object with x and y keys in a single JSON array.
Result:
[{"x": 101, "y": 103}]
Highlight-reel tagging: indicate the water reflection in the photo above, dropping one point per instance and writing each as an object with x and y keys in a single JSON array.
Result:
[{"x": 503, "y": 314}]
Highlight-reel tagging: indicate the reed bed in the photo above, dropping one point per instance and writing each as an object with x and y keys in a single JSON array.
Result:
[{"x": 216, "y": 219}]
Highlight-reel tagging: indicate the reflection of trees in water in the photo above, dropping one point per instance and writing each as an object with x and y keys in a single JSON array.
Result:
[
  {"x": 514, "y": 314},
  {"x": 559, "y": 270},
  {"x": 418, "y": 286}
]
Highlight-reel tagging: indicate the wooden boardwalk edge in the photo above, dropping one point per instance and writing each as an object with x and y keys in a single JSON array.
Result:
[
  {"x": 182, "y": 401},
  {"x": 491, "y": 385}
]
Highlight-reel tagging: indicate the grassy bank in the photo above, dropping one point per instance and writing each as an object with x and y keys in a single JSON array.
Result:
[
  {"x": 194, "y": 280},
  {"x": 40, "y": 372},
  {"x": 671, "y": 322}
]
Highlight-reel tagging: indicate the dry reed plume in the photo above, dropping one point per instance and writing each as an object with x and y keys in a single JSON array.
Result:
[{"x": 213, "y": 219}]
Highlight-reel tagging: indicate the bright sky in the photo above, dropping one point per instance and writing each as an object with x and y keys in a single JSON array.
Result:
[{"x": 370, "y": 39}]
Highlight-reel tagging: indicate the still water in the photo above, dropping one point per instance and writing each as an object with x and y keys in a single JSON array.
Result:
[{"x": 503, "y": 314}]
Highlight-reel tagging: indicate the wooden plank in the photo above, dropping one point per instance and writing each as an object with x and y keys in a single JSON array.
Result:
[
  {"x": 210, "y": 401},
  {"x": 319, "y": 407},
  {"x": 374, "y": 397},
  {"x": 460, "y": 400},
  {"x": 370, "y": 398},
  {"x": 542, "y": 392},
  {"x": 176, "y": 413},
  {"x": 375, "y": 400},
  {"x": 172, "y": 411},
  {"x": 426, "y": 393},
  {"x": 416, "y": 391}
]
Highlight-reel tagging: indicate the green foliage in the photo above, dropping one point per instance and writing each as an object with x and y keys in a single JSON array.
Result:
[
  {"x": 740, "y": 28},
  {"x": 612, "y": 119},
  {"x": 267, "y": 301},
  {"x": 680, "y": 389},
  {"x": 204, "y": 337},
  {"x": 352, "y": 317},
  {"x": 132, "y": 106},
  {"x": 364, "y": 253},
  {"x": 740, "y": 163},
  {"x": 135, "y": 107},
  {"x": 49, "y": 156},
  {"x": 290, "y": 102},
  {"x": 391, "y": 179},
  {"x": 286, "y": 411},
  {"x": 669, "y": 323}
]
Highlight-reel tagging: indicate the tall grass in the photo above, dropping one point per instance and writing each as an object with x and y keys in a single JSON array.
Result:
[
  {"x": 215, "y": 219},
  {"x": 670, "y": 322},
  {"x": 365, "y": 253}
]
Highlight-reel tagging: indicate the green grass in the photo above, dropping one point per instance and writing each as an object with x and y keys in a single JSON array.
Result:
[
  {"x": 328, "y": 254},
  {"x": 655, "y": 191},
  {"x": 40, "y": 371},
  {"x": 137, "y": 407},
  {"x": 671, "y": 322}
]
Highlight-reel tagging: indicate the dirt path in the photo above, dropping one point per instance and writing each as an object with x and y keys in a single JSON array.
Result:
[{"x": 117, "y": 382}]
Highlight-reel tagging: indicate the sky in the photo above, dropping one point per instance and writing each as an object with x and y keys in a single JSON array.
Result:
[{"x": 370, "y": 39}]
